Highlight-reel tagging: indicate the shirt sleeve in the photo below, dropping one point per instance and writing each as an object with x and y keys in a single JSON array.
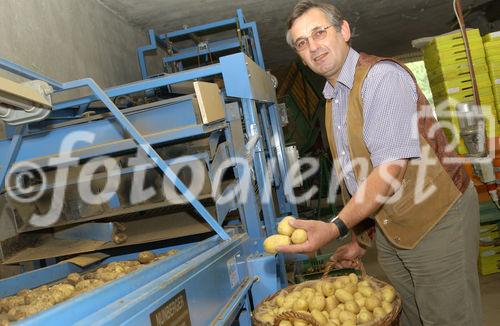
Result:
[{"x": 390, "y": 114}]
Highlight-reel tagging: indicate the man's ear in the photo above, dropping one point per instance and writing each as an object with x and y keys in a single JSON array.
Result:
[{"x": 345, "y": 30}]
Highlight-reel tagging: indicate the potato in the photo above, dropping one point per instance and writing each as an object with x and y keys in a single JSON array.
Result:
[
  {"x": 364, "y": 283},
  {"x": 353, "y": 278},
  {"x": 352, "y": 306},
  {"x": 299, "y": 322},
  {"x": 351, "y": 288},
  {"x": 266, "y": 318},
  {"x": 300, "y": 305},
  {"x": 388, "y": 293},
  {"x": 335, "y": 321},
  {"x": 21, "y": 312},
  {"x": 338, "y": 284},
  {"x": 364, "y": 317},
  {"x": 372, "y": 302},
  {"x": 346, "y": 315},
  {"x": 331, "y": 303},
  {"x": 146, "y": 257},
  {"x": 299, "y": 236},
  {"x": 11, "y": 302},
  {"x": 66, "y": 289},
  {"x": 274, "y": 241},
  {"x": 318, "y": 287},
  {"x": 279, "y": 300},
  {"x": 379, "y": 313},
  {"x": 341, "y": 306},
  {"x": 284, "y": 228},
  {"x": 73, "y": 278},
  {"x": 320, "y": 318},
  {"x": 334, "y": 314},
  {"x": 360, "y": 301},
  {"x": 343, "y": 296},
  {"x": 289, "y": 301},
  {"x": 327, "y": 289},
  {"x": 317, "y": 302},
  {"x": 285, "y": 323},
  {"x": 366, "y": 291},
  {"x": 387, "y": 306},
  {"x": 349, "y": 322},
  {"x": 326, "y": 314}
]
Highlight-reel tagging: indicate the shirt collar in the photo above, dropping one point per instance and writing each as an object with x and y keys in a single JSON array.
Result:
[{"x": 346, "y": 76}]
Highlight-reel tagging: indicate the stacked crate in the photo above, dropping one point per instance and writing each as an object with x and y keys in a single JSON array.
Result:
[
  {"x": 492, "y": 50},
  {"x": 449, "y": 77},
  {"x": 489, "y": 249}
]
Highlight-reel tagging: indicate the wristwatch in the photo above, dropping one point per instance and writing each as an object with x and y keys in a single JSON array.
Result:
[{"x": 343, "y": 230}]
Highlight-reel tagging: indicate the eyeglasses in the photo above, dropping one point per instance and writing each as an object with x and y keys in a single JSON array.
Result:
[{"x": 317, "y": 34}]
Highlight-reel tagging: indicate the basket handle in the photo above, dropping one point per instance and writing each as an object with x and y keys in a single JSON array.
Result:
[
  {"x": 291, "y": 315},
  {"x": 357, "y": 264}
]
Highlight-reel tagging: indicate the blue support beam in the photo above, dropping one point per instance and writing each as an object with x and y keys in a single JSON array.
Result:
[
  {"x": 143, "y": 85},
  {"x": 26, "y": 73},
  {"x": 199, "y": 28},
  {"x": 213, "y": 47}
]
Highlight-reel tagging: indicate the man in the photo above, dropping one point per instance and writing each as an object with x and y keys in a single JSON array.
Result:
[{"x": 390, "y": 155}]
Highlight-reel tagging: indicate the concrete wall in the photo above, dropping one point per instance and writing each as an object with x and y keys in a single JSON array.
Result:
[{"x": 71, "y": 39}]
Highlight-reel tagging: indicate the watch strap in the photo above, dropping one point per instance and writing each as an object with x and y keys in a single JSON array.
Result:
[{"x": 343, "y": 230}]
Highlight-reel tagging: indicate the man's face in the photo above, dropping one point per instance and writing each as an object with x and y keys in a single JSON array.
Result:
[{"x": 325, "y": 57}]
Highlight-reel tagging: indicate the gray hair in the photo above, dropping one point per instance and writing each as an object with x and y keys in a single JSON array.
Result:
[{"x": 331, "y": 12}]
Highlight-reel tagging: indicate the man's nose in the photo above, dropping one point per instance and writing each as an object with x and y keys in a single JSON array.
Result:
[{"x": 313, "y": 44}]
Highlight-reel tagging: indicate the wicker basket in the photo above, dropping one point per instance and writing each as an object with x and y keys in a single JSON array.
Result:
[{"x": 391, "y": 318}]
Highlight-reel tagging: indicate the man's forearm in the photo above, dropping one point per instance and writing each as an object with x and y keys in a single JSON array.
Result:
[{"x": 367, "y": 199}]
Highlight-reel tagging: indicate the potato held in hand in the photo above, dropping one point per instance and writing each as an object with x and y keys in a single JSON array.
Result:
[
  {"x": 274, "y": 241},
  {"x": 299, "y": 236},
  {"x": 284, "y": 228}
]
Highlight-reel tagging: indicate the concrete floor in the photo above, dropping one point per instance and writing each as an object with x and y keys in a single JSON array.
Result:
[{"x": 490, "y": 286}]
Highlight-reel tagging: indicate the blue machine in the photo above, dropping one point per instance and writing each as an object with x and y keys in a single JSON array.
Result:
[{"x": 215, "y": 280}]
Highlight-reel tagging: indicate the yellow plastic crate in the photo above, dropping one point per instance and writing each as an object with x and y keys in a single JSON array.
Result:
[
  {"x": 443, "y": 58},
  {"x": 491, "y": 36},
  {"x": 442, "y": 73},
  {"x": 485, "y": 95},
  {"x": 489, "y": 265},
  {"x": 492, "y": 49},
  {"x": 460, "y": 85},
  {"x": 451, "y": 40}
]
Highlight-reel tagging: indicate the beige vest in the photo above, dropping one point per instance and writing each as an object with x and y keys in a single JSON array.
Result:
[{"x": 404, "y": 222}]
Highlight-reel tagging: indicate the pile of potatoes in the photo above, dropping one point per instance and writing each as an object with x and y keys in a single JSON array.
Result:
[
  {"x": 28, "y": 302},
  {"x": 339, "y": 301},
  {"x": 286, "y": 236}
]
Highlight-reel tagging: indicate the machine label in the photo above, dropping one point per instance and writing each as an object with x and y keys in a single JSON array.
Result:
[{"x": 174, "y": 312}]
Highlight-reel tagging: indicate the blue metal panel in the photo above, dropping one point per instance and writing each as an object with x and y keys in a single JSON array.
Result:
[
  {"x": 235, "y": 76},
  {"x": 263, "y": 266},
  {"x": 213, "y": 47},
  {"x": 12, "y": 151}
]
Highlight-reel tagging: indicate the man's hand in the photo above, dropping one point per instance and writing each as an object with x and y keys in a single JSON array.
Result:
[
  {"x": 344, "y": 255},
  {"x": 318, "y": 234}
]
